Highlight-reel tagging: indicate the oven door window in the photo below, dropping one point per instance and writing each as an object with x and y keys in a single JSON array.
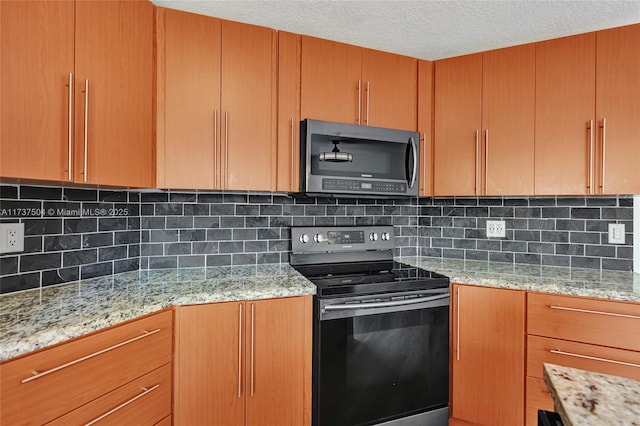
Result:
[{"x": 379, "y": 367}]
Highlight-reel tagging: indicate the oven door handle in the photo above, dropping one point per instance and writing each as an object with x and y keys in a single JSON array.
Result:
[{"x": 392, "y": 303}]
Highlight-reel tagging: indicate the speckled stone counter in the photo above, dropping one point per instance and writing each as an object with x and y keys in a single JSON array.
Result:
[
  {"x": 612, "y": 285},
  {"x": 35, "y": 319},
  {"x": 585, "y": 398}
]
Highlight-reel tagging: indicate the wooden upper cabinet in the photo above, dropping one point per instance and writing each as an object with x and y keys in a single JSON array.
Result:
[
  {"x": 565, "y": 110},
  {"x": 458, "y": 115},
  {"x": 618, "y": 109},
  {"x": 248, "y": 151},
  {"x": 36, "y": 135},
  {"x": 488, "y": 354},
  {"x": 188, "y": 100},
  {"x": 508, "y": 106},
  {"x": 390, "y": 90},
  {"x": 331, "y": 85},
  {"x": 114, "y": 92},
  {"x": 289, "y": 46},
  {"x": 425, "y": 125}
]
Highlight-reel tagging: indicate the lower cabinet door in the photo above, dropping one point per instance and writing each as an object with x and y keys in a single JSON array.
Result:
[
  {"x": 488, "y": 356},
  {"x": 538, "y": 398},
  {"x": 244, "y": 363},
  {"x": 145, "y": 401}
]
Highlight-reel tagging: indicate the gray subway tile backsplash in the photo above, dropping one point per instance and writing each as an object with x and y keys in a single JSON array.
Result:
[{"x": 74, "y": 233}]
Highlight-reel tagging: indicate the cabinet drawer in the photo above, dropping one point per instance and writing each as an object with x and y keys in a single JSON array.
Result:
[
  {"x": 538, "y": 398},
  {"x": 145, "y": 401},
  {"x": 618, "y": 362},
  {"x": 47, "y": 384},
  {"x": 605, "y": 323}
]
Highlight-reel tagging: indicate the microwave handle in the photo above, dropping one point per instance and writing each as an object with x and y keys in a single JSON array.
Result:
[{"x": 414, "y": 152}]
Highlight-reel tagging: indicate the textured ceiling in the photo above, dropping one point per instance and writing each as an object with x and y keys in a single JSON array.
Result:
[{"x": 425, "y": 29}]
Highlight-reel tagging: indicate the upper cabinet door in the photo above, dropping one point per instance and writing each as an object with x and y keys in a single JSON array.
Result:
[
  {"x": 249, "y": 107},
  {"x": 114, "y": 93},
  {"x": 36, "y": 127},
  {"x": 458, "y": 113},
  {"x": 188, "y": 100},
  {"x": 390, "y": 90},
  {"x": 618, "y": 109},
  {"x": 288, "y": 111},
  {"x": 508, "y": 103},
  {"x": 425, "y": 126},
  {"x": 331, "y": 84},
  {"x": 565, "y": 110}
]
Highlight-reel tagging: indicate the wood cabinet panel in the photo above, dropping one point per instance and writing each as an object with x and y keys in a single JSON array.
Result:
[
  {"x": 390, "y": 90},
  {"x": 167, "y": 421},
  {"x": 278, "y": 354},
  {"x": 618, "y": 102},
  {"x": 134, "y": 349},
  {"x": 36, "y": 62},
  {"x": 114, "y": 58},
  {"x": 425, "y": 125},
  {"x": 209, "y": 350},
  {"x": 508, "y": 102},
  {"x": 602, "y": 359},
  {"x": 243, "y": 363},
  {"x": 145, "y": 401},
  {"x": 488, "y": 355},
  {"x": 249, "y": 104},
  {"x": 289, "y": 51},
  {"x": 538, "y": 398},
  {"x": 189, "y": 100},
  {"x": 331, "y": 85},
  {"x": 581, "y": 319},
  {"x": 458, "y": 114},
  {"x": 565, "y": 110}
]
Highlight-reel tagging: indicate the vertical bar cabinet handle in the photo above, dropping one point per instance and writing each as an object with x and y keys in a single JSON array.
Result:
[
  {"x": 226, "y": 149},
  {"x": 604, "y": 151},
  {"x": 457, "y": 323},
  {"x": 252, "y": 347},
  {"x": 240, "y": 351},
  {"x": 477, "y": 160},
  {"x": 486, "y": 160},
  {"x": 293, "y": 150},
  {"x": 215, "y": 148},
  {"x": 359, "y": 101},
  {"x": 590, "y": 187},
  {"x": 86, "y": 125},
  {"x": 368, "y": 95},
  {"x": 70, "y": 129}
]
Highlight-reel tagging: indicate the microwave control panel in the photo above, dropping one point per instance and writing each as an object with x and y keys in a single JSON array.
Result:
[{"x": 357, "y": 185}]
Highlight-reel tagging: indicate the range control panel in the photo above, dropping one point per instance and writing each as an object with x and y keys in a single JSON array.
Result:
[{"x": 341, "y": 238}]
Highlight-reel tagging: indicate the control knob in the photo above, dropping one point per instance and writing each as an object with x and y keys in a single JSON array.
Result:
[
  {"x": 373, "y": 236},
  {"x": 304, "y": 238},
  {"x": 318, "y": 238},
  {"x": 385, "y": 236}
]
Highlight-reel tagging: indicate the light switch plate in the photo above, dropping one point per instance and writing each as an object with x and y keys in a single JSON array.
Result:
[
  {"x": 616, "y": 233},
  {"x": 496, "y": 229},
  {"x": 11, "y": 237}
]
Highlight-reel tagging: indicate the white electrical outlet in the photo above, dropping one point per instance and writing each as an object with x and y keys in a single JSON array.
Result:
[
  {"x": 11, "y": 237},
  {"x": 616, "y": 233},
  {"x": 496, "y": 229}
]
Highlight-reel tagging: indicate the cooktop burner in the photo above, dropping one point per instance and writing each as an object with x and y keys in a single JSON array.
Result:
[{"x": 356, "y": 260}]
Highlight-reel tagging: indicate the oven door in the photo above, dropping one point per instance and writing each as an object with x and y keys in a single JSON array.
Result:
[{"x": 382, "y": 359}]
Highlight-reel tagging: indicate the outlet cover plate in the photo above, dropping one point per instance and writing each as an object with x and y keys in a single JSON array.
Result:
[
  {"x": 496, "y": 229},
  {"x": 616, "y": 233},
  {"x": 11, "y": 237}
]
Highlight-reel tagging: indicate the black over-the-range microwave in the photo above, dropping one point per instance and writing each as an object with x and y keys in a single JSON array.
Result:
[{"x": 338, "y": 159}]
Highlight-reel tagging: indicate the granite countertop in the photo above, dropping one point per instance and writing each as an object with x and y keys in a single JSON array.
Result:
[
  {"x": 613, "y": 285},
  {"x": 35, "y": 319},
  {"x": 585, "y": 398}
]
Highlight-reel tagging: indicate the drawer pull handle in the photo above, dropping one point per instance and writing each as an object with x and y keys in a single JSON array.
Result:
[
  {"x": 586, "y": 311},
  {"x": 594, "y": 358},
  {"x": 37, "y": 375},
  {"x": 145, "y": 391}
]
